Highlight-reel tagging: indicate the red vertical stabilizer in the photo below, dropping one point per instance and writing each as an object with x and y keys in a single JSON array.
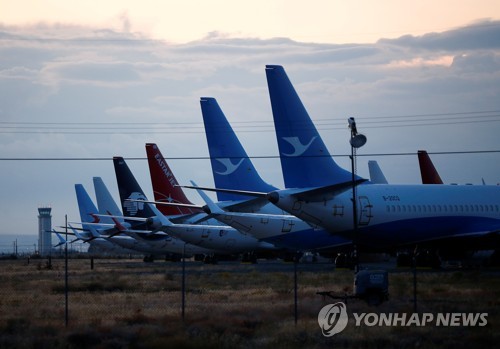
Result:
[
  {"x": 427, "y": 169},
  {"x": 163, "y": 182}
]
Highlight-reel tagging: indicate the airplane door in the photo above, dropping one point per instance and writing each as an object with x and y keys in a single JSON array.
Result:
[
  {"x": 287, "y": 226},
  {"x": 365, "y": 210}
]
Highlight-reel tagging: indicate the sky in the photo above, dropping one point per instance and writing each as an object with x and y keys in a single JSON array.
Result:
[{"x": 90, "y": 80}]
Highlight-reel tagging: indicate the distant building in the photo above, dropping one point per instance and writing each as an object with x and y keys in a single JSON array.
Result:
[{"x": 44, "y": 231}]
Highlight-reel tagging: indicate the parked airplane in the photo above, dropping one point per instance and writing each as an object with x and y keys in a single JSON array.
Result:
[
  {"x": 281, "y": 230},
  {"x": 98, "y": 245},
  {"x": 222, "y": 239},
  {"x": 104, "y": 227},
  {"x": 162, "y": 242},
  {"x": 270, "y": 224},
  {"x": 387, "y": 215}
]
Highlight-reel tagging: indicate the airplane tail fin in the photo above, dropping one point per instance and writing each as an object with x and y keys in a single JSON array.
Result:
[
  {"x": 427, "y": 170},
  {"x": 164, "y": 184},
  {"x": 376, "y": 174},
  {"x": 231, "y": 166},
  {"x": 85, "y": 205},
  {"x": 87, "y": 208},
  {"x": 305, "y": 160},
  {"x": 105, "y": 202},
  {"x": 129, "y": 188}
]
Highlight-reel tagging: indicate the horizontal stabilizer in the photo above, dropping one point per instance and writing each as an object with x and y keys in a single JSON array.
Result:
[
  {"x": 166, "y": 203},
  {"x": 139, "y": 219},
  {"x": 325, "y": 193},
  {"x": 62, "y": 241},
  {"x": 229, "y": 191}
]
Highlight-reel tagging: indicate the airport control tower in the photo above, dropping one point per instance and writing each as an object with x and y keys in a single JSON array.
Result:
[{"x": 44, "y": 231}]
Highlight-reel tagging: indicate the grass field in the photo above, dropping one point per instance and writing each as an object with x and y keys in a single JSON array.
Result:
[{"x": 123, "y": 303}]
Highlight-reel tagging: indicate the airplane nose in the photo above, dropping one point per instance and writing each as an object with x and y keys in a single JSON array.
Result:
[{"x": 273, "y": 197}]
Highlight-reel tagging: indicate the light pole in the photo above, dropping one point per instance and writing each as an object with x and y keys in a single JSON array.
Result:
[{"x": 356, "y": 141}]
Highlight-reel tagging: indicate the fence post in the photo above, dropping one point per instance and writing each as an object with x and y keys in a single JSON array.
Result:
[
  {"x": 296, "y": 311},
  {"x": 66, "y": 275},
  {"x": 183, "y": 287}
]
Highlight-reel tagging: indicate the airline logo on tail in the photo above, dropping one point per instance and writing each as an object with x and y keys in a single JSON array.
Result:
[
  {"x": 230, "y": 167},
  {"x": 133, "y": 206},
  {"x": 165, "y": 169},
  {"x": 298, "y": 147}
]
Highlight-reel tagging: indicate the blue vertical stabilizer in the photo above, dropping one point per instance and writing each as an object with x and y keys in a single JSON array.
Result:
[
  {"x": 86, "y": 206},
  {"x": 305, "y": 160},
  {"x": 231, "y": 166}
]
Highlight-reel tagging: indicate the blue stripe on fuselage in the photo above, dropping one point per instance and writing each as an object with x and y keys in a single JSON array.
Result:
[
  {"x": 306, "y": 240},
  {"x": 410, "y": 231}
]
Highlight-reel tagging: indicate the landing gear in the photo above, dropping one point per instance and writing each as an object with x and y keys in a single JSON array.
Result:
[
  {"x": 249, "y": 257},
  {"x": 423, "y": 259},
  {"x": 345, "y": 261},
  {"x": 210, "y": 259}
]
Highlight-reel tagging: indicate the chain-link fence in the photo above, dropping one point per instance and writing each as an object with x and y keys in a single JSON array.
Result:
[{"x": 130, "y": 303}]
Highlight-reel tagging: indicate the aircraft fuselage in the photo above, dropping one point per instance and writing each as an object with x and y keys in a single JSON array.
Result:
[{"x": 402, "y": 214}]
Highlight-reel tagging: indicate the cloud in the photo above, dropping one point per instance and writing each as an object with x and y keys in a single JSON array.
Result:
[
  {"x": 478, "y": 36},
  {"x": 94, "y": 73},
  {"x": 67, "y": 81}
]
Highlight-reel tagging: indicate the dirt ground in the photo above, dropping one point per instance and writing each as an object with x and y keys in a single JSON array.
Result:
[{"x": 126, "y": 303}]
